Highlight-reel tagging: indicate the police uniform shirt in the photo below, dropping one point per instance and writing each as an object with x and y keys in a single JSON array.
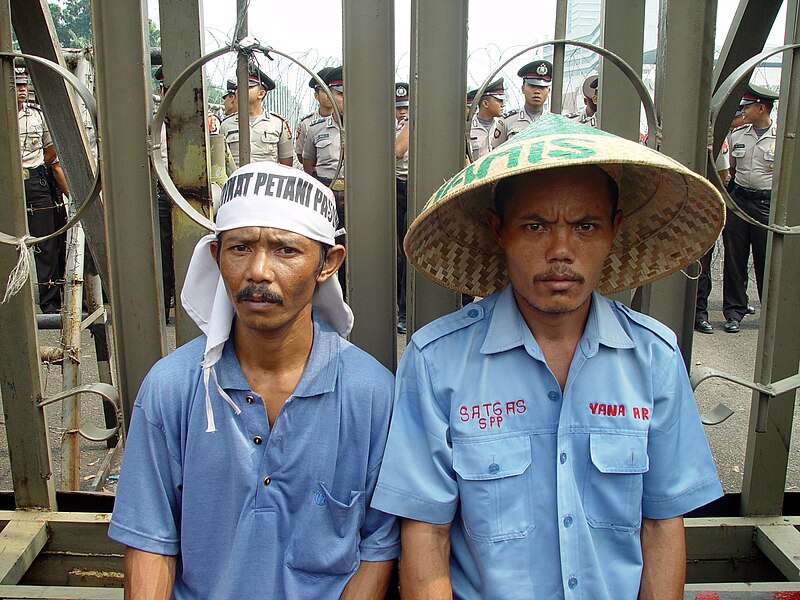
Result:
[
  {"x": 723, "y": 160},
  {"x": 511, "y": 123},
  {"x": 481, "y": 135},
  {"x": 582, "y": 117},
  {"x": 753, "y": 156},
  {"x": 270, "y": 137},
  {"x": 34, "y": 136},
  {"x": 545, "y": 489},
  {"x": 301, "y": 131},
  {"x": 324, "y": 146},
  {"x": 401, "y": 164}
]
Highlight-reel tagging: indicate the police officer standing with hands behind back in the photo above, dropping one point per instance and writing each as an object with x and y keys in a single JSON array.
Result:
[
  {"x": 752, "y": 148},
  {"x": 270, "y": 136},
  {"x": 537, "y": 77}
]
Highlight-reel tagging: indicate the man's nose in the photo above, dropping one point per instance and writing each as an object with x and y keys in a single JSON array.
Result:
[
  {"x": 559, "y": 248},
  {"x": 261, "y": 266}
]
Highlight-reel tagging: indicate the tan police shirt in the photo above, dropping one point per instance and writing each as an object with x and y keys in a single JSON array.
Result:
[
  {"x": 270, "y": 137},
  {"x": 34, "y": 136},
  {"x": 511, "y": 123},
  {"x": 301, "y": 131},
  {"x": 324, "y": 146},
  {"x": 401, "y": 164},
  {"x": 482, "y": 135},
  {"x": 753, "y": 157}
]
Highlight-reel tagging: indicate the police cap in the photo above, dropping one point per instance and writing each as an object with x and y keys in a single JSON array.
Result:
[
  {"x": 590, "y": 86},
  {"x": 334, "y": 79},
  {"x": 312, "y": 83},
  {"x": 538, "y": 72},
  {"x": 230, "y": 88},
  {"x": 401, "y": 94},
  {"x": 258, "y": 77},
  {"x": 757, "y": 93}
]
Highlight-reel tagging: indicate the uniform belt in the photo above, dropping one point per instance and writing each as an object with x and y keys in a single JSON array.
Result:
[
  {"x": 337, "y": 185},
  {"x": 30, "y": 173},
  {"x": 751, "y": 194}
]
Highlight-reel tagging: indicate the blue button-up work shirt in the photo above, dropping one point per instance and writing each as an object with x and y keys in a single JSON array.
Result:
[
  {"x": 545, "y": 491},
  {"x": 254, "y": 513}
]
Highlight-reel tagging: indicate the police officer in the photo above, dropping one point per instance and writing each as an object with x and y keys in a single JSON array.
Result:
[
  {"x": 752, "y": 148},
  {"x": 402, "y": 94},
  {"x": 323, "y": 148},
  {"x": 38, "y": 152},
  {"x": 270, "y": 136},
  {"x": 324, "y": 108},
  {"x": 588, "y": 114},
  {"x": 229, "y": 103},
  {"x": 537, "y": 77},
  {"x": 484, "y": 128}
]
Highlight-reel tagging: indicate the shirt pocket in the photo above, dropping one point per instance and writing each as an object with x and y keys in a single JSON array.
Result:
[
  {"x": 326, "y": 538},
  {"x": 614, "y": 482},
  {"x": 269, "y": 143},
  {"x": 738, "y": 151},
  {"x": 327, "y": 151},
  {"x": 494, "y": 483}
]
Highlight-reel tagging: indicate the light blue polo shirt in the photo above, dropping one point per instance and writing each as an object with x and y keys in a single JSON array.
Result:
[
  {"x": 545, "y": 491},
  {"x": 254, "y": 513}
]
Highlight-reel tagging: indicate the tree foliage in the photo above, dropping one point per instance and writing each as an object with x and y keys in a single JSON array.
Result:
[{"x": 73, "y": 23}]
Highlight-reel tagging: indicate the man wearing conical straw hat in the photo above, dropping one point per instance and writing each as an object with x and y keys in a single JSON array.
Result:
[{"x": 545, "y": 441}]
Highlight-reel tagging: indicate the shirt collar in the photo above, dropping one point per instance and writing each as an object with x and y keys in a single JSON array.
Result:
[
  {"x": 507, "y": 329},
  {"x": 319, "y": 376}
]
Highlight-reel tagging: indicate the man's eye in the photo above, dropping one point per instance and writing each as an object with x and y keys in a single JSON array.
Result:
[
  {"x": 239, "y": 248},
  {"x": 535, "y": 227},
  {"x": 586, "y": 227},
  {"x": 288, "y": 250}
]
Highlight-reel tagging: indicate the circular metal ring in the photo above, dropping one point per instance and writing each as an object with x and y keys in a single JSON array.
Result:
[
  {"x": 91, "y": 107},
  {"x": 107, "y": 393},
  {"x": 653, "y": 125},
  {"x": 717, "y": 100},
  {"x": 158, "y": 122}
]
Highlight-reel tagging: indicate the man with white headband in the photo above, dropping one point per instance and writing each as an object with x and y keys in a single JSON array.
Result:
[
  {"x": 545, "y": 441},
  {"x": 254, "y": 450}
]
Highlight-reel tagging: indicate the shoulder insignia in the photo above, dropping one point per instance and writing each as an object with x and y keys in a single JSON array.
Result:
[
  {"x": 464, "y": 317},
  {"x": 308, "y": 116},
  {"x": 573, "y": 115},
  {"x": 319, "y": 120},
  {"x": 230, "y": 116},
  {"x": 741, "y": 127},
  {"x": 277, "y": 115},
  {"x": 649, "y": 323},
  {"x": 510, "y": 113}
]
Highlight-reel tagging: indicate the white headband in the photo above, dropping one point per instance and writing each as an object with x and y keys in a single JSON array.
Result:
[{"x": 262, "y": 194}]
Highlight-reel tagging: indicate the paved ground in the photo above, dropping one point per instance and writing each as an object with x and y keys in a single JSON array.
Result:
[{"x": 734, "y": 353}]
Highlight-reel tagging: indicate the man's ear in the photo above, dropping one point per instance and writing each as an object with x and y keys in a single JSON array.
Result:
[
  {"x": 617, "y": 221},
  {"x": 333, "y": 260},
  {"x": 214, "y": 249},
  {"x": 495, "y": 226}
]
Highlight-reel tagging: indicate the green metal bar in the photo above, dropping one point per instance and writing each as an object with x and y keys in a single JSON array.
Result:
[
  {"x": 781, "y": 544},
  {"x": 683, "y": 98},
  {"x": 34, "y": 28},
  {"x": 622, "y": 33},
  {"x": 20, "y": 377},
  {"x": 370, "y": 181},
  {"x": 557, "y": 93},
  {"x": 751, "y": 25},
  {"x": 187, "y": 139},
  {"x": 123, "y": 80},
  {"x": 778, "y": 350},
  {"x": 436, "y": 149},
  {"x": 243, "y": 89}
]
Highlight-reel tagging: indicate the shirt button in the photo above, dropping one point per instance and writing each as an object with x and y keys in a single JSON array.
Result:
[
  {"x": 249, "y": 399},
  {"x": 267, "y": 480},
  {"x": 553, "y": 396},
  {"x": 472, "y": 313},
  {"x": 563, "y": 457},
  {"x": 567, "y": 521},
  {"x": 572, "y": 583},
  {"x": 257, "y": 440}
]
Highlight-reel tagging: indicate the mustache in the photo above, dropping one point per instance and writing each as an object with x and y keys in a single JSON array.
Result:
[
  {"x": 258, "y": 293},
  {"x": 559, "y": 272}
]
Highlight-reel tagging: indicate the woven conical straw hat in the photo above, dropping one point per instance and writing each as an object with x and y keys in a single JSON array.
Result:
[{"x": 671, "y": 215}]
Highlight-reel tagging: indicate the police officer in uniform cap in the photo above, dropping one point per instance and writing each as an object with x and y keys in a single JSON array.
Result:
[
  {"x": 38, "y": 152},
  {"x": 324, "y": 108},
  {"x": 323, "y": 148},
  {"x": 588, "y": 114},
  {"x": 484, "y": 128},
  {"x": 270, "y": 136},
  {"x": 402, "y": 94},
  {"x": 752, "y": 156},
  {"x": 537, "y": 77},
  {"x": 229, "y": 103}
]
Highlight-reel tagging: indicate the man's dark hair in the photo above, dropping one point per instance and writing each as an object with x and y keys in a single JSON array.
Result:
[{"x": 502, "y": 191}]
